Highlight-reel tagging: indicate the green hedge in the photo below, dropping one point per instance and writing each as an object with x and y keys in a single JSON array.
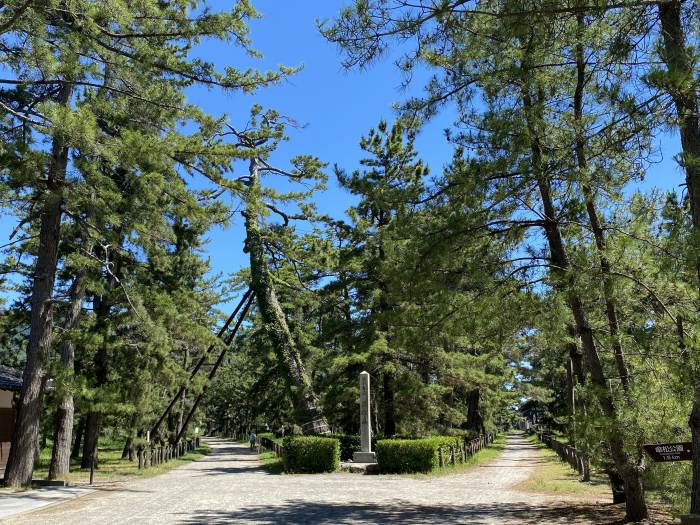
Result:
[
  {"x": 415, "y": 455},
  {"x": 311, "y": 454}
]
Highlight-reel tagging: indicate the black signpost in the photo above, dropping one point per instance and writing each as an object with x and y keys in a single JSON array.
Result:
[{"x": 670, "y": 451}]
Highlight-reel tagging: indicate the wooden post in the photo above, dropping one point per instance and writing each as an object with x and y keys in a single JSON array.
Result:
[
  {"x": 452, "y": 455},
  {"x": 440, "y": 459}
]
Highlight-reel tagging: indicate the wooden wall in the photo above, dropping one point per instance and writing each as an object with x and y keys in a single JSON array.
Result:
[{"x": 7, "y": 426}]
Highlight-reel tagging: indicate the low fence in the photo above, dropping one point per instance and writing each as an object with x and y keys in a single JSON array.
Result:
[
  {"x": 567, "y": 453},
  {"x": 454, "y": 454},
  {"x": 272, "y": 446},
  {"x": 158, "y": 454}
]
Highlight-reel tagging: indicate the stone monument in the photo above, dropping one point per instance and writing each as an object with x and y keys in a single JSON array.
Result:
[{"x": 365, "y": 455}]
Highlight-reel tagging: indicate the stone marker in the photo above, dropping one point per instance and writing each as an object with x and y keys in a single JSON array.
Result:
[{"x": 366, "y": 455}]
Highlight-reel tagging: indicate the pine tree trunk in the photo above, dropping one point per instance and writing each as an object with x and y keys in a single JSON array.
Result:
[
  {"x": 92, "y": 431},
  {"x": 593, "y": 217},
  {"x": 126, "y": 451},
  {"x": 102, "y": 307},
  {"x": 60, "y": 453},
  {"x": 475, "y": 420},
  {"x": 682, "y": 88},
  {"x": 63, "y": 432},
  {"x": 79, "y": 435},
  {"x": 617, "y": 484},
  {"x": 20, "y": 463},
  {"x": 181, "y": 414},
  {"x": 183, "y": 396},
  {"x": 308, "y": 412},
  {"x": 636, "y": 509},
  {"x": 571, "y": 400}
]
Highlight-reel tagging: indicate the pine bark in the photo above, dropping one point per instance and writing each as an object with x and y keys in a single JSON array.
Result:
[
  {"x": 63, "y": 432},
  {"x": 20, "y": 463},
  {"x": 92, "y": 432},
  {"x": 636, "y": 508},
  {"x": 308, "y": 411},
  {"x": 682, "y": 88},
  {"x": 475, "y": 420},
  {"x": 79, "y": 435},
  {"x": 126, "y": 451},
  {"x": 183, "y": 396},
  {"x": 101, "y": 370}
]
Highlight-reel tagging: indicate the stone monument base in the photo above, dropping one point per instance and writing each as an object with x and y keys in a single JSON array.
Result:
[{"x": 364, "y": 457}]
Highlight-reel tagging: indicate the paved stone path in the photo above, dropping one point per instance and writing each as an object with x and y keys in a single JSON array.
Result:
[{"x": 228, "y": 486}]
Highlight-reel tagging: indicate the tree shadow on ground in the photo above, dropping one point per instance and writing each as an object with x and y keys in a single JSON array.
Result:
[
  {"x": 218, "y": 471},
  {"x": 405, "y": 513}
]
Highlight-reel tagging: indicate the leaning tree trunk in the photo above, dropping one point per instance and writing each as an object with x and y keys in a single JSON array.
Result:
[
  {"x": 617, "y": 481},
  {"x": 308, "y": 412},
  {"x": 636, "y": 508},
  {"x": 60, "y": 455},
  {"x": 593, "y": 217},
  {"x": 681, "y": 86},
  {"x": 20, "y": 464}
]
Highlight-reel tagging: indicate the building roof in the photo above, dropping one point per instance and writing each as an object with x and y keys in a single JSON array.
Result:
[{"x": 10, "y": 378}]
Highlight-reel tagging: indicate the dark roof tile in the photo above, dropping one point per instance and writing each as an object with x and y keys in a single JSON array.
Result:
[{"x": 10, "y": 378}]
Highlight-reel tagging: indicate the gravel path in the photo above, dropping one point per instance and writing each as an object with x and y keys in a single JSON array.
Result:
[{"x": 228, "y": 486}]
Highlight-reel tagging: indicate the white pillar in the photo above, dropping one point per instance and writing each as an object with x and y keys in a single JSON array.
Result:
[{"x": 366, "y": 455}]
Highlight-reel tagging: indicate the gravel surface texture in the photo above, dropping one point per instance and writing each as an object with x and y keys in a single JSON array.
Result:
[{"x": 229, "y": 486}]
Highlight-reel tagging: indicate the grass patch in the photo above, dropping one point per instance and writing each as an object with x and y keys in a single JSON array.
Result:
[
  {"x": 112, "y": 467},
  {"x": 553, "y": 476},
  {"x": 493, "y": 451},
  {"x": 271, "y": 462}
]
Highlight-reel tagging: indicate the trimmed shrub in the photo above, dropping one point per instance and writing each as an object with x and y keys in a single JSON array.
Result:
[
  {"x": 311, "y": 454},
  {"x": 406, "y": 455},
  {"x": 416, "y": 455}
]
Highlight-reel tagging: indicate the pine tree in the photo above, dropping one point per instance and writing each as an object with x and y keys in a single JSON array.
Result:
[{"x": 138, "y": 55}]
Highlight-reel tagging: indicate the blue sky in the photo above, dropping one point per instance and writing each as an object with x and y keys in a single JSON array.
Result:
[{"x": 336, "y": 106}]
